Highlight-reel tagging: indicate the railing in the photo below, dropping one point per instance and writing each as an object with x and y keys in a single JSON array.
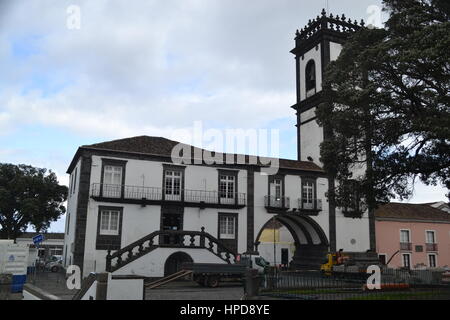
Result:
[
  {"x": 407, "y": 246},
  {"x": 324, "y": 22},
  {"x": 277, "y": 202},
  {"x": 161, "y": 194},
  {"x": 310, "y": 204},
  {"x": 431, "y": 246},
  {"x": 395, "y": 284},
  {"x": 168, "y": 239}
]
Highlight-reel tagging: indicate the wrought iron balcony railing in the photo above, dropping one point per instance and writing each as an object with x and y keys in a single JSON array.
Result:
[
  {"x": 431, "y": 246},
  {"x": 310, "y": 204},
  {"x": 407, "y": 246},
  {"x": 277, "y": 202},
  {"x": 99, "y": 190}
]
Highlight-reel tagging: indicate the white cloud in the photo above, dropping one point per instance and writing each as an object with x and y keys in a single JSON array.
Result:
[{"x": 150, "y": 66}]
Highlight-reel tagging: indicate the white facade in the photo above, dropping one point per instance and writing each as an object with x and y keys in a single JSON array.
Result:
[
  {"x": 146, "y": 169},
  {"x": 351, "y": 234}
]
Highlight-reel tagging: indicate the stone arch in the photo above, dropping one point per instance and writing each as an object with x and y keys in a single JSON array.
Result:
[
  {"x": 310, "y": 240},
  {"x": 174, "y": 262}
]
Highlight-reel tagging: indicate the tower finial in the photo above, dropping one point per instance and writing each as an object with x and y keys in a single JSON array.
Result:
[{"x": 323, "y": 12}]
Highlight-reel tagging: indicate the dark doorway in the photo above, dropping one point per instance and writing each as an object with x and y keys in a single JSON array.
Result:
[
  {"x": 171, "y": 221},
  {"x": 175, "y": 261},
  {"x": 285, "y": 257}
]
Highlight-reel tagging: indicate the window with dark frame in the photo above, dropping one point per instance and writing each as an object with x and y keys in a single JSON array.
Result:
[
  {"x": 172, "y": 184},
  {"x": 112, "y": 181},
  {"x": 308, "y": 194},
  {"x": 109, "y": 228},
  {"x": 109, "y": 222},
  {"x": 227, "y": 227},
  {"x": 276, "y": 192},
  {"x": 227, "y": 188}
]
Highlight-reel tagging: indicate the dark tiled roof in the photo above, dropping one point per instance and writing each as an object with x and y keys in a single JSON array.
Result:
[
  {"x": 142, "y": 144},
  {"x": 411, "y": 211},
  {"x": 160, "y": 146},
  {"x": 50, "y": 235}
]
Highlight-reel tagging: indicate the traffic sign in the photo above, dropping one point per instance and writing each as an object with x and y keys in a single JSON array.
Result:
[{"x": 38, "y": 239}]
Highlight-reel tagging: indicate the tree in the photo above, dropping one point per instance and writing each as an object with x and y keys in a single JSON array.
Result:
[
  {"x": 387, "y": 113},
  {"x": 28, "y": 196}
]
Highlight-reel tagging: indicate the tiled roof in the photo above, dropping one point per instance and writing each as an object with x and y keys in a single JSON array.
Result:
[
  {"x": 160, "y": 146},
  {"x": 411, "y": 211},
  {"x": 50, "y": 235}
]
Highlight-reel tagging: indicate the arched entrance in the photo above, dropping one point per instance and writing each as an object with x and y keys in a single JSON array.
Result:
[
  {"x": 311, "y": 243},
  {"x": 175, "y": 261}
]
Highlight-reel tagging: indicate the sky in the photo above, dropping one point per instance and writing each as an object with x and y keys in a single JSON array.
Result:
[{"x": 81, "y": 72}]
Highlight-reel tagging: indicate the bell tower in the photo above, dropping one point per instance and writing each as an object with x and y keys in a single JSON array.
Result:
[{"x": 318, "y": 43}]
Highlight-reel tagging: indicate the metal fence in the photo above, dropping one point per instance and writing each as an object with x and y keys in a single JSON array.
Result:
[{"x": 395, "y": 285}]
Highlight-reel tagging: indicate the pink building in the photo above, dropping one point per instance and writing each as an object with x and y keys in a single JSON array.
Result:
[{"x": 413, "y": 235}]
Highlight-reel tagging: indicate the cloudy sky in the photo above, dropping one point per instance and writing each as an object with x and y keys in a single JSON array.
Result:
[{"x": 148, "y": 67}]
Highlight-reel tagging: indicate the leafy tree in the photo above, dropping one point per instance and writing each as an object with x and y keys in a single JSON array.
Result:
[
  {"x": 28, "y": 196},
  {"x": 387, "y": 114}
]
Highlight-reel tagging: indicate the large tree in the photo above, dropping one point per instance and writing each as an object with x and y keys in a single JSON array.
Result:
[
  {"x": 28, "y": 197},
  {"x": 387, "y": 108}
]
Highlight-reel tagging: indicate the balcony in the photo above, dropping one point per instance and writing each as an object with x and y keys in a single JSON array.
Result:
[
  {"x": 275, "y": 204},
  {"x": 431, "y": 247},
  {"x": 310, "y": 207},
  {"x": 406, "y": 246},
  {"x": 157, "y": 196}
]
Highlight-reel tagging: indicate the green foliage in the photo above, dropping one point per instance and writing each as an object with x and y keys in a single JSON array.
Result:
[
  {"x": 387, "y": 104},
  {"x": 28, "y": 196}
]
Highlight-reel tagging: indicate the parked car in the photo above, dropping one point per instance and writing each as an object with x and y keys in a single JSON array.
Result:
[{"x": 54, "y": 266}]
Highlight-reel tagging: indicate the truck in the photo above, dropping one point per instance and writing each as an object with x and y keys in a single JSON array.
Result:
[
  {"x": 351, "y": 265},
  {"x": 212, "y": 274}
]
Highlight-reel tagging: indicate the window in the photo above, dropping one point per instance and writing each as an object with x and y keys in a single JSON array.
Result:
[
  {"x": 276, "y": 193},
  {"x": 277, "y": 189},
  {"x": 109, "y": 228},
  {"x": 68, "y": 222},
  {"x": 406, "y": 259},
  {"x": 109, "y": 222},
  {"x": 308, "y": 195},
  {"x": 405, "y": 240},
  {"x": 430, "y": 237},
  {"x": 404, "y": 236},
  {"x": 112, "y": 181},
  {"x": 382, "y": 258},
  {"x": 227, "y": 188},
  {"x": 75, "y": 180},
  {"x": 432, "y": 260},
  {"x": 172, "y": 185},
  {"x": 56, "y": 251},
  {"x": 310, "y": 78},
  {"x": 71, "y": 185},
  {"x": 227, "y": 227}
]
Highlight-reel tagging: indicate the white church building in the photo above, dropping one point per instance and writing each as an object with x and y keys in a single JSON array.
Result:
[{"x": 132, "y": 210}]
